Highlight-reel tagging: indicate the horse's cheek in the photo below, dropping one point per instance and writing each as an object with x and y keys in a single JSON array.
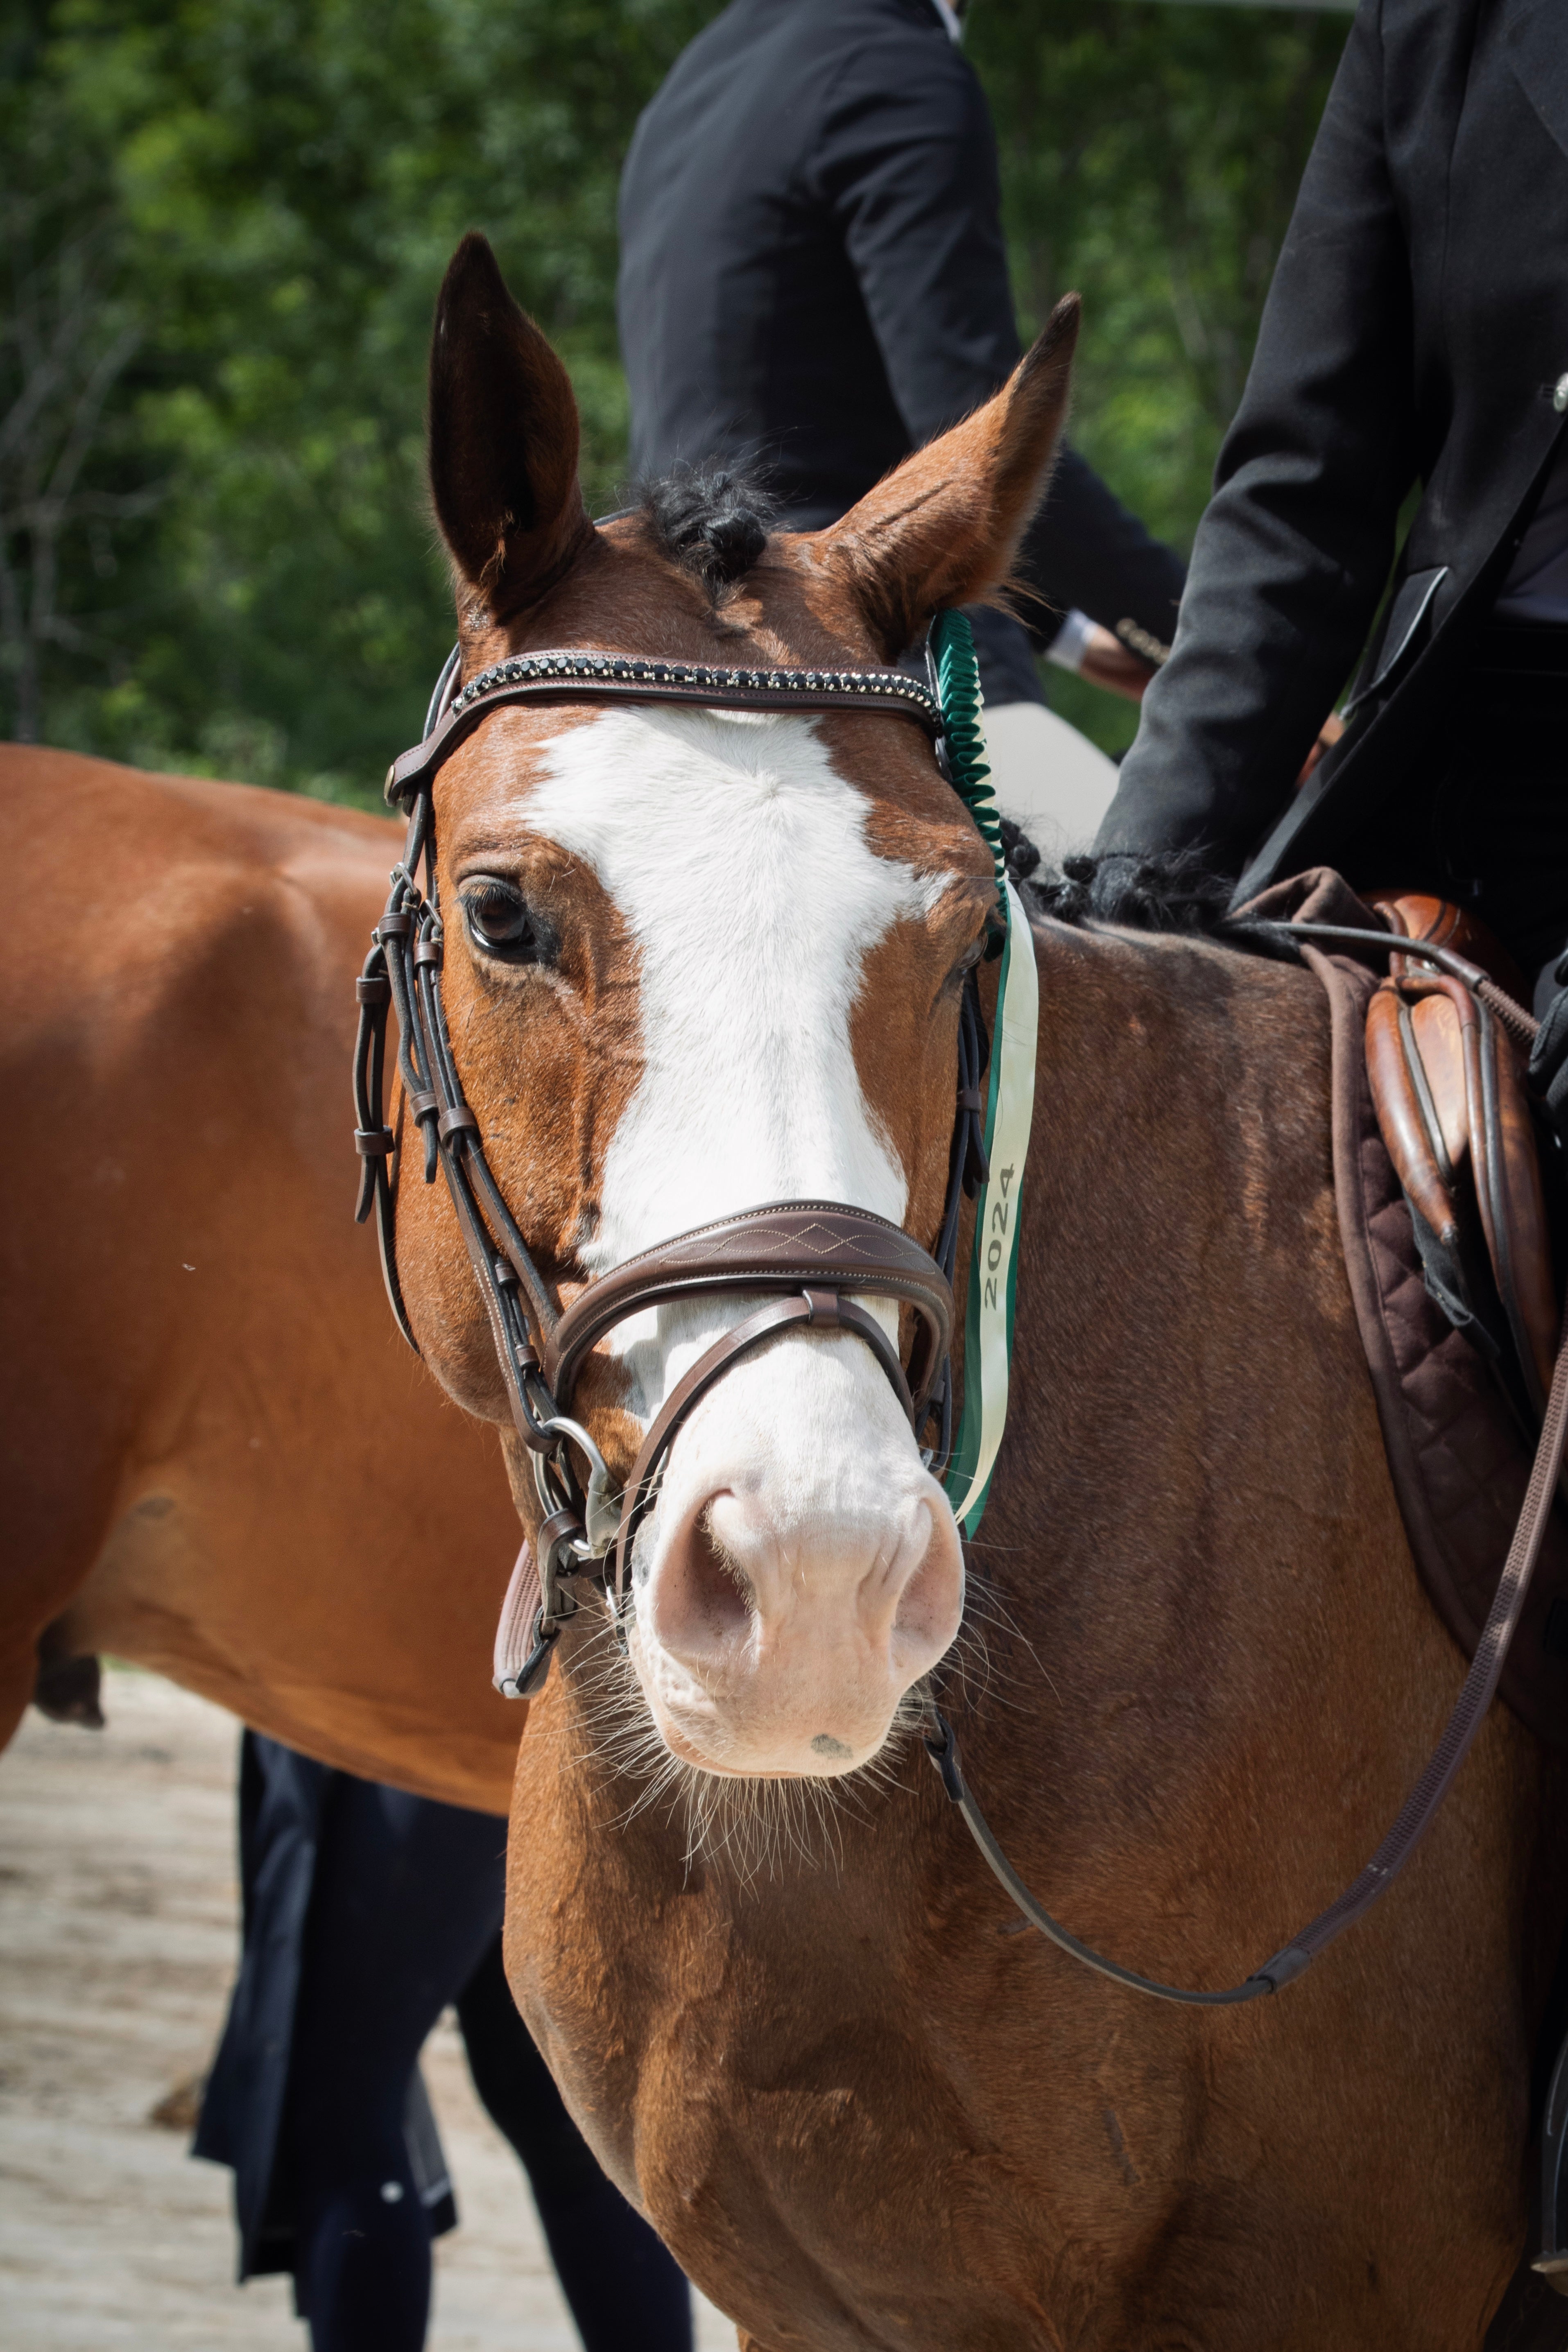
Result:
[{"x": 442, "y": 1296}]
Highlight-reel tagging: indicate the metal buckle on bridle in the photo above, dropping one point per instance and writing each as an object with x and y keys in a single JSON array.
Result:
[
  {"x": 577, "y": 1530},
  {"x": 599, "y": 1505}
]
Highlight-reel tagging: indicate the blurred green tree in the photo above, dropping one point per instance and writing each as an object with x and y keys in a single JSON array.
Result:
[
  {"x": 224, "y": 225},
  {"x": 1151, "y": 156},
  {"x": 279, "y": 187}
]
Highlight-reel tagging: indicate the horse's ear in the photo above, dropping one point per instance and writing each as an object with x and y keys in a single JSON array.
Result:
[
  {"x": 503, "y": 440},
  {"x": 943, "y": 528}
]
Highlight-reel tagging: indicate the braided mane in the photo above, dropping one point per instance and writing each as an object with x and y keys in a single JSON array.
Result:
[
  {"x": 711, "y": 521},
  {"x": 1167, "y": 891}
]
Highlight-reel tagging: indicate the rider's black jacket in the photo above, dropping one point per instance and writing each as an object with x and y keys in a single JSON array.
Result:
[
  {"x": 1416, "y": 333},
  {"x": 814, "y": 281}
]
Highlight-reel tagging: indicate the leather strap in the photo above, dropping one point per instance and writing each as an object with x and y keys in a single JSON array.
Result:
[
  {"x": 518, "y": 1634},
  {"x": 787, "y": 1246},
  {"x": 822, "y": 1309},
  {"x": 1408, "y": 1116},
  {"x": 816, "y": 1250},
  {"x": 1513, "y": 1209},
  {"x": 1415, "y": 1816},
  {"x": 578, "y": 675},
  {"x": 1335, "y": 935}
]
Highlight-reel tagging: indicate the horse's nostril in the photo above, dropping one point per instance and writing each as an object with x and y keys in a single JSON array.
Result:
[
  {"x": 716, "y": 1562},
  {"x": 704, "y": 1600},
  {"x": 926, "y": 1604}
]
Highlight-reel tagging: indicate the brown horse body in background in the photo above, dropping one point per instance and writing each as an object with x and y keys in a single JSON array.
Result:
[
  {"x": 864, "y": 2110},
  {"x": 221, "y": 1460}
]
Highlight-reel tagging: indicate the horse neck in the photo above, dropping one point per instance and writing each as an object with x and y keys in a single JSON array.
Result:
[
  {"x": 1181, "y": 1134},
  {"x": 1193, "y": 1456}
]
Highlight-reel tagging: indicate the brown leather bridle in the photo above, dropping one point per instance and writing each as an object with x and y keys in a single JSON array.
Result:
[{"x": 812, "y": 1261}]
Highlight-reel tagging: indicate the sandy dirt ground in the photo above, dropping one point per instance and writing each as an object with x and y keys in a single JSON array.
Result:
[{"x": 119, "y": 1910}]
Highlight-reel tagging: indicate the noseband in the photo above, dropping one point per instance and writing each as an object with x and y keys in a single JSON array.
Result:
[{"x": 806, "y": 1257}]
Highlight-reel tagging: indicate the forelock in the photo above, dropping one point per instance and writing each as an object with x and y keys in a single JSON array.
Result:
[{"x": 712, "y": 522}]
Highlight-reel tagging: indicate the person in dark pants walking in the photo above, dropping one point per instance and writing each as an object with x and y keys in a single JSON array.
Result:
[
  {"x": 366, "y": 1912},
  {"x": 814, "y": 282},
  {"x": 1416, "y": 339}
]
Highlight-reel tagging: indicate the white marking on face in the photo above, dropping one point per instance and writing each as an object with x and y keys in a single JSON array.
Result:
[
  {"x": 737, "y": 857},
  {"x": 802, "y": 1568}
]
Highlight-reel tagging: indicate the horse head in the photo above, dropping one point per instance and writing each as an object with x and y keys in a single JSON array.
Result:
[{"x": 700, "y": 959}]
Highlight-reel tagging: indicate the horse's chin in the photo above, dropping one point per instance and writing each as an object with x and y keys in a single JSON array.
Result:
[{"x": 725, "y": 1742}]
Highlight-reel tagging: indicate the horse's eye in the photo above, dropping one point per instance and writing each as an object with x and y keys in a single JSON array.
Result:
[{"x": 499, "y": 919}]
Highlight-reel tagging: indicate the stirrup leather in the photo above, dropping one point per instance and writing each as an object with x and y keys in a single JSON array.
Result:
[{"x": 1448, "y": 1087}]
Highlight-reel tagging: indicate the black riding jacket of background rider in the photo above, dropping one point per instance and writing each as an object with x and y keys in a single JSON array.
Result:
[
  {"x": 814, "y": 281},
  {"x": 1416, "y": 330}
]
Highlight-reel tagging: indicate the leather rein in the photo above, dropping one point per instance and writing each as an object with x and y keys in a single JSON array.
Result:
[{"x": 807, "y": 1257}]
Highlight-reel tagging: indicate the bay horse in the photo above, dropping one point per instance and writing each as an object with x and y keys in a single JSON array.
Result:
[
  {"x": 221, "y": 1463},
  {"x": 694, "y": 960}
]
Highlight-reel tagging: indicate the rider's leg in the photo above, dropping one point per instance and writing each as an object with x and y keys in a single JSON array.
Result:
[{"x": 408, "y": 1895}]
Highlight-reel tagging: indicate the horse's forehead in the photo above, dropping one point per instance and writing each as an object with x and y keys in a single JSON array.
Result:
[{"x": 729, "y": 822}]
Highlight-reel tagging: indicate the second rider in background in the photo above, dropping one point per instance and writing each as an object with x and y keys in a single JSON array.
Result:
[{"x": 814, "y": 282}]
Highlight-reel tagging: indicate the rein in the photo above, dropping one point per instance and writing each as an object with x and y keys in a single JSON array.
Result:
[{"x": 806, "y": 1257}]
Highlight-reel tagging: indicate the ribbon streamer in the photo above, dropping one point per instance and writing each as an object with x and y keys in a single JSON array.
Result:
[{"x": 991, "y": 1306}]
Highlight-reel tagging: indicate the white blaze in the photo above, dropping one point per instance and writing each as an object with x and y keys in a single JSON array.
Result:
[
  {"x": 802, "y": 1568},
  {"x": 737, "y": 858}
]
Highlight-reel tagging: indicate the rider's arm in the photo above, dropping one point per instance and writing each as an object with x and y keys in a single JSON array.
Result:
[
  {"x": 1294, "y": 550},
  {"x": 907, "y": 162}
]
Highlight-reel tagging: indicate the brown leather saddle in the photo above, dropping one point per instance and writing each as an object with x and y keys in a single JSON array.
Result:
[
  {"x": 1448, "y": 1087},
  {"x": 1448, "y": 1246}
]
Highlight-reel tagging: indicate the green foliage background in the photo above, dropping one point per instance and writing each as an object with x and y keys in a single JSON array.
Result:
[{"x": 224, "y": 225}]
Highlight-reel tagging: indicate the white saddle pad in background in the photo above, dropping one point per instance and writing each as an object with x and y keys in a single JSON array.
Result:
[{"x": 1048, "y": 777}]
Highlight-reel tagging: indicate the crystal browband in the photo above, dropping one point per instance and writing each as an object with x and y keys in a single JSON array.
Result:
[
  {"x": 747, "y": 682},
  {"x": 597, "y": 677}
]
